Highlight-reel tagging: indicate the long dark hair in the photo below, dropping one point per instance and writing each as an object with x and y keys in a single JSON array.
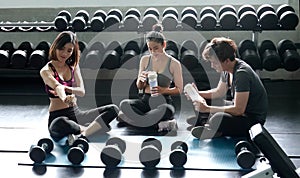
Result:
[{"x": 60, "y": 41}]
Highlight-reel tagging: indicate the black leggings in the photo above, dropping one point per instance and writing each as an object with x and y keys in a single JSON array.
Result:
[
  {"x": 229, "y": 125},
  {"x": 148, "y": 111},
  {"x": 66, "y": 121}
]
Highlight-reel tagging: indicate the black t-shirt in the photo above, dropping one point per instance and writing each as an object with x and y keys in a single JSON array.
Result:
[{"x": 246, "y": 80}]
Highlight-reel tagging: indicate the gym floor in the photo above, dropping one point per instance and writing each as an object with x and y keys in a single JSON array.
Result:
[{"x": 21, "y": 112}]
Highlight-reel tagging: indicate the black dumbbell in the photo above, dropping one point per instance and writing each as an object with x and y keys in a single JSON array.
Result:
[
  {"x": 39, "y": 57},
  {"x": 150, "y": 18},
  {"x": 97, "y": 21},
  {"x": 247, "y": 17},
  {"x": 170, "y": 19},
  {"x": 189, "y": 18},
  {"x": 111, "y": 155},
  {"x": 80, "y": 20},
  {"x": 19, "y": 58},
  {"x": 62, "y": 20},
  {"x": 77, "y": 151},
  {"x": 94, "y": 55},
  {"x": 244, "y": 154},
  {"x": 269, "y": 55},
  {"x": 288, "y": 53},
  {"x": 208, "y": 18},
  {"x": 113, "y": 19},
  {"x": 287, "y": 17},
  {"x": 132, "y": 19},
  {"x": 189, "y": 54},
  {"x": 38, "y": 153},
  {"x": 267, "y": 18},
  {"x": 172, "y": 48},
  {"x": 131, "y": 55},
  {"x": 112, "y": 55},
  {"x": 178, "y": 156},
  {"x": 150, "y": 152},
  {"x": 6, "y": 50},
  {"x": 248, "y": 53},
  {"x": 228, "y": 17}
]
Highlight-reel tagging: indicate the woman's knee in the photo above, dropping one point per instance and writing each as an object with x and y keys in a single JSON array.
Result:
[{"x": 62, "y": 126}]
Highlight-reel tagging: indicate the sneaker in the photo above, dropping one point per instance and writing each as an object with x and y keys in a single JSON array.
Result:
[
  {"x": 170, "y": 125},
  {"x": 203, "y": 132},
  {"x": 196, "y": 121}
]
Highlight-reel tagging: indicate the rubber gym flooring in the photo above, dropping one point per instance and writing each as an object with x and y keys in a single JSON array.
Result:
[{"x": 23, "y": 121}]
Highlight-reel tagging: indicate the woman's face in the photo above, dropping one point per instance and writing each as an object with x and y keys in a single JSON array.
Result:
[
  {"x": 216, "y": 64},
  {"x": 65, "y": 52},
  {"x": 155, "y": 49}
]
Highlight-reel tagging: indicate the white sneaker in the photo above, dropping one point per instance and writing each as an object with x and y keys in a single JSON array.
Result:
[{"x": 170, "y": 125}]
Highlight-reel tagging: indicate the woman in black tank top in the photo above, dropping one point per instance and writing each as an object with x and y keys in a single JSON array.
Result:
[{"x": 154, "y": 111}]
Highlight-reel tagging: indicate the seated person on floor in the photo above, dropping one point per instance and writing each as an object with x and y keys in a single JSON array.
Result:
[
  {"x": 249, "y": 104},
  {"x": 63, "y": 82},
  {"x": 155, "y": 108}
]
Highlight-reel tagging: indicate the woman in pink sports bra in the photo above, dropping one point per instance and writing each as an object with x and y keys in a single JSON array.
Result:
[{"x": 63, "y": 83}]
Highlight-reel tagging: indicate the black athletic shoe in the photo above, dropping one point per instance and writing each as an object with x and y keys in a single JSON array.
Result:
[{"x": 197, "y": 121}]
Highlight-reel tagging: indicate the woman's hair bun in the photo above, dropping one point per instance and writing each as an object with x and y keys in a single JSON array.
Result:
[{"x": 157, "y": 28}]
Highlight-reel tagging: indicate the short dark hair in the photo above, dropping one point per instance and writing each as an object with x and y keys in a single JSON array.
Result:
[{"x": 221, "y": 47}]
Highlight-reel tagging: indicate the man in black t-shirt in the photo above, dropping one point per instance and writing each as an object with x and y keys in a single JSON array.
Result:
[{"x": 250, "y": 103}]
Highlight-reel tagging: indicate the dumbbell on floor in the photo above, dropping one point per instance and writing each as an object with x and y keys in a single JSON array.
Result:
[
  {"x": 244, "y": 154},
  {"x": 178, "y": 156},
  {"x": 111, "y": 155},
  {"x": 77, "y": 151},
  {"x": 150, "y": 153},
  {"x": 39, "y": 152}
]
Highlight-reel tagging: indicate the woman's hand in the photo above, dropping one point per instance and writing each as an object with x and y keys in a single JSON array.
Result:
[
  {"x": 70, "y": 100},
  {"x": 143, "y": 77}
]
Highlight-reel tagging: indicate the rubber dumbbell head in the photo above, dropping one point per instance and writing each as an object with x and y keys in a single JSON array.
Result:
[
  {"x": 131, "y": 54},
  {"x": 97, "y": 21},
  {"x": 289, "y": 54},
  {"x": 248, "y": 19},
  {"x": 288, "y": 19},
  {"x": 62, "y": 20},
  {"x": 112, "y": 55},
  {"x": 248, "y": 53},
  {"x": 77, "y": 152},
  {"x": 149, "y": 155},
  {"x": 39, "y": 152},
  {"x": 111, "y": 155},
  {"x": 269, "y": 55},
  {"x": 268, "y": 19},
  {"x": 172, "y": 48},
  {"x": 189, "y": 18},
  {"x": 228, "y": 17},
  {"x": 178, "y": 156},
  {"x": 245, "y": 156},
  {"x": 80, "y": 20},
  {"x": 170, "y": 18},
  {"x": 131, "y": 20},
  {"x": 208, "y": 19}
]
